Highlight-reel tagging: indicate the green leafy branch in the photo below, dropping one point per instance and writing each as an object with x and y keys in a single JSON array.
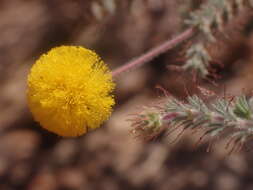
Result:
[
  {"x": 211, "y": 16},
  {"x": 230, "y": 117}
]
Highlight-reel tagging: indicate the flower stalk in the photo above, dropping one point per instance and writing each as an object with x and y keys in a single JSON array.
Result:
[{"x": 145, "y": 58}]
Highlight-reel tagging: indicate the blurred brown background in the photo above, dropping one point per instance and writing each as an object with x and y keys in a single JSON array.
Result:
[{"x": 110, "y": 158}]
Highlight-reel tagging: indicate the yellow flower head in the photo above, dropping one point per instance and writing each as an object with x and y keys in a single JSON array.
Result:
[{"x": 69, "y": 91}]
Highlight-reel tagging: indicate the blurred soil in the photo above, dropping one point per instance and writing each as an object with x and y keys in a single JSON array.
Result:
[{"x": 110, "y": 158}]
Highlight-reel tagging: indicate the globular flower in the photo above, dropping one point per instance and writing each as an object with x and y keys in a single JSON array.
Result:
[{"x": 69, "y": 91}]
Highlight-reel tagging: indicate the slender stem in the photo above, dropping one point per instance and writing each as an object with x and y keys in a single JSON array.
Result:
[{"x": 169, "y": 44}]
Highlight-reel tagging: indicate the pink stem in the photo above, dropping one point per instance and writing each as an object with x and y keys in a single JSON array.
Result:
[{"x": 169, "y": 44}]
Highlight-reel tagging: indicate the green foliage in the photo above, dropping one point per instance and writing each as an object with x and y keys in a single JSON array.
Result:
[
  {"x": 225, "y": 116},
  {"x": 198, "y": 59},
  {"x": 211, "y": 16},
  {"x": 242, "y": 108}
]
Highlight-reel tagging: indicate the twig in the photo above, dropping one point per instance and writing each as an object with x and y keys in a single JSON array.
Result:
[
  {"x": 139, "y": 61},
  {"x": 218, "y": 119}
]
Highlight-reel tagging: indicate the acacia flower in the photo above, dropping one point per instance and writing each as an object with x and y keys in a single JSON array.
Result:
[{"x": 69, "y": 91}]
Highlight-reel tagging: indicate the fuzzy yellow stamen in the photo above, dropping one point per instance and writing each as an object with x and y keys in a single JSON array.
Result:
[{"x": 69, "y": 91}]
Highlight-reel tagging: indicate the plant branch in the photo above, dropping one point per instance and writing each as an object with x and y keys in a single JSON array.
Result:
[
  {"x": 167, "y": 45},
  {"x": 228, "y": 117}
]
